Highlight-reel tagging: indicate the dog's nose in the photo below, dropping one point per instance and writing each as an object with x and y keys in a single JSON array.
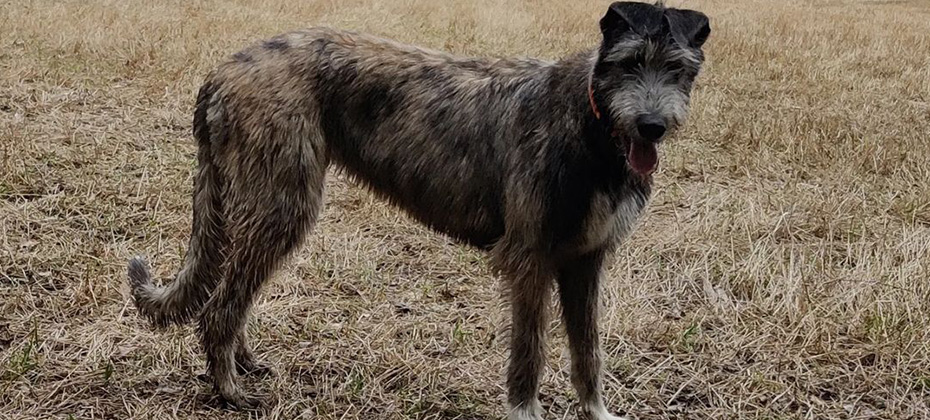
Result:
[{"x": 650, "y": 127}]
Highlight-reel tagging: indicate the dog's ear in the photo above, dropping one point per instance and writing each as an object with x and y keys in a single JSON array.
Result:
[
  {"x": 625, "y": 16},
  {"x": 689, "y": 28}
]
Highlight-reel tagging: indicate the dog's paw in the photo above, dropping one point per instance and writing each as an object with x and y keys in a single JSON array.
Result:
[
  {"x": 608, "y": 416},
  {"x": 529, "y": 411},
  {"x": 598, "y": 412},
  {"x": 241, "y": 401}
]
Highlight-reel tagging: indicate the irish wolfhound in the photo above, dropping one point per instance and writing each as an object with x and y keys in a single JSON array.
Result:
[{"x": 545, "y": 164}]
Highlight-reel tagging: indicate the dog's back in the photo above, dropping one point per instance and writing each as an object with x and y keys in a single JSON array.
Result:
[{"x": 427, "y": 130}]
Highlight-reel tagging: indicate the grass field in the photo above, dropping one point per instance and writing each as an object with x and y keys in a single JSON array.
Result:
[{"x": 782, "y": 270}]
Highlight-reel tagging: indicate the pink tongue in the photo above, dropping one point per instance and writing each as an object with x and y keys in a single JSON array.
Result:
[{"x": 643, "y": 157}]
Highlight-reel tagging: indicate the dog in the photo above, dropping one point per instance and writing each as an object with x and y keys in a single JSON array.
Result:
[{"x": 546, "y": 165}]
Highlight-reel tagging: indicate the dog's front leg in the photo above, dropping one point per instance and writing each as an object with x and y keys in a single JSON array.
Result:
[
  {"x": 578, "y": 292},
  {"x": 529, "y": 296}
]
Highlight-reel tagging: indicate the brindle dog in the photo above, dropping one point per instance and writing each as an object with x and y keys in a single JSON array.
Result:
[{"x": 545, "y": 164}]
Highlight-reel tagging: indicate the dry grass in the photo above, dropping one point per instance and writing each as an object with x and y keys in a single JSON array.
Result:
[{"x": 781, "y": 272}]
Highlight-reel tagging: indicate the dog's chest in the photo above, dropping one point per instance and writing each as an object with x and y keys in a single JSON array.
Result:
[{"x": 610, "y": 219}]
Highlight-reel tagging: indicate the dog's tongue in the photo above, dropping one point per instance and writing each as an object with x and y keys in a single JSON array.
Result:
[{"x": 643, "y": 157}]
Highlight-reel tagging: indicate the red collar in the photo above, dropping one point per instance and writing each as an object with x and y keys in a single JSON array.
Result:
[{"x": 597, "y": 113}]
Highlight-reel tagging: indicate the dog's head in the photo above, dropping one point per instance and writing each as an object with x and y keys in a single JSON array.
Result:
[{"x": 642, "y": 79}]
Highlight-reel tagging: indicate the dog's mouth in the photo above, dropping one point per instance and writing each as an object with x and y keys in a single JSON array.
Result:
[{"x": 642, "y": 156}]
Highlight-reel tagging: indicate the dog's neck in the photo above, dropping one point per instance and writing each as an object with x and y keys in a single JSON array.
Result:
[{"x": 571, "y": 78}]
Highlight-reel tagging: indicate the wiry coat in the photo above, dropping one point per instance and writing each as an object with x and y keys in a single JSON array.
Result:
[
  {"x": 432, "y": 132},
  {"x": 504, "y": 154}
]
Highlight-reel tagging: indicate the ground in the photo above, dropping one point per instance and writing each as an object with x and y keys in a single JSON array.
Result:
[{"x": 782, "y": 269}]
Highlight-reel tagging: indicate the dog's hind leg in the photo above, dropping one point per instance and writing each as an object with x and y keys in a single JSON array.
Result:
[
  {"x": 579, "y": 281},
  {"x": 273, "y": 201}
]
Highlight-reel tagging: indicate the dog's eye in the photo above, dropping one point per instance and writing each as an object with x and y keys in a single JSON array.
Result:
[
  {"x": 674, "y": 67},
  {"x": 680, "y": 70},
  {"x": 629, "y": 63}
]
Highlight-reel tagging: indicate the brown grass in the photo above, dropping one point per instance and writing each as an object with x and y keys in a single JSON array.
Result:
[{"x": 781, "y": 271}]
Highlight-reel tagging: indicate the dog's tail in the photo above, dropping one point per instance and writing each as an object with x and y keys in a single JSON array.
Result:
[{"x": 186, "y": 295}]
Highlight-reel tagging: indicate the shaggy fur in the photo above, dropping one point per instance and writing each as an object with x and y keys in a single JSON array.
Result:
[{"x": 544, "y": 164}]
